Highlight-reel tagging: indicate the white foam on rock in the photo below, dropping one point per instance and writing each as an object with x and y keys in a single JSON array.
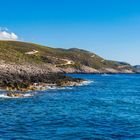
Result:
[
  {"x": 27, "y": 95},
  {"x": 86, "y": 82}
]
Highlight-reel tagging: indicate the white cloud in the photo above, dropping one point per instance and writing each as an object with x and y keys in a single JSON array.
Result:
[{"x": 5, "y": 35}]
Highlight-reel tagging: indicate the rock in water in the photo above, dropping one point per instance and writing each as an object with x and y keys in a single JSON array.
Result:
[{"x": 14, "y": 95}]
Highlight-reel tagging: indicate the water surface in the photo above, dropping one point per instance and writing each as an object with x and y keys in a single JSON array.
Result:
[{"x": 106, "y": 109}]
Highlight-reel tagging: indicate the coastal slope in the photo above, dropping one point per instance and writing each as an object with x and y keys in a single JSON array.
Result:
[{"x": 20, "y": 57}]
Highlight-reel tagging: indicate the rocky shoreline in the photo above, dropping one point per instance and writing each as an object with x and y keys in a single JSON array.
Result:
[
  {"x": 19, "y": 79},
  {"x": 27, "y": 66},
  {"x": 15, "y": 82},
  {"x": 28, "y": 77}
]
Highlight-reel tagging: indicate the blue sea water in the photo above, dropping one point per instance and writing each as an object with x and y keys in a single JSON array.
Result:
[{"x": 106, "y": 109}]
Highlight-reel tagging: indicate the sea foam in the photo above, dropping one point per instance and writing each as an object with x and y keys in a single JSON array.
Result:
[{"x": 24, "y": 96}]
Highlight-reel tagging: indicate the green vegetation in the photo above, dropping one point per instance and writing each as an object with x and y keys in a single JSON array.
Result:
[{"x": 16, "y": 52}]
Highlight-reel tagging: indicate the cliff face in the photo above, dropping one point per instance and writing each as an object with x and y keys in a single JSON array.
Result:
[{"x": 22, "y": 58}]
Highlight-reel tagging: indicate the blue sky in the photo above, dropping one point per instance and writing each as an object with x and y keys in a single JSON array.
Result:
[{"x": 110, "y": 28}]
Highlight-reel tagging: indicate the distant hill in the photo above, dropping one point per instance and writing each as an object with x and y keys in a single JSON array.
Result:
[
  {"x": 60, "y": 60},
  {"x": 137, "y": 67}
]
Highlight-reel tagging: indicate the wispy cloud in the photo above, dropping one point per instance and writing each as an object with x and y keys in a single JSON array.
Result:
[{"x": 6, "y": 35}]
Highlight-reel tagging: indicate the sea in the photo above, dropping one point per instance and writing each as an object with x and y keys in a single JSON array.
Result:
[{"x": 105, "y": 108}]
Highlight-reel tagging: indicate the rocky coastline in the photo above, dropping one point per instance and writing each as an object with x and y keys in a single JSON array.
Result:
[
  {"x": 28, "y": 66},
  {"x": 20, "y": 78}
]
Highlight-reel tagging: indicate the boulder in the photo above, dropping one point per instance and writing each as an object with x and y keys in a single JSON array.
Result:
[{"x": 14, "y": 94}]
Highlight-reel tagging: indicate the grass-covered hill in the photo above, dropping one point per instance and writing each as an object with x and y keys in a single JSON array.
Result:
[{"x": 28, "y": 53}]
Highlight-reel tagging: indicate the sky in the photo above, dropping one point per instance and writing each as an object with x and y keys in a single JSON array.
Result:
[{"x": 109, "y": 28}]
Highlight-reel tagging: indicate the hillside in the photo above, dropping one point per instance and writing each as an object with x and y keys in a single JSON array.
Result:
[
  {"x": 22, "y": 55},
  {"x": 137, "y": 68}
]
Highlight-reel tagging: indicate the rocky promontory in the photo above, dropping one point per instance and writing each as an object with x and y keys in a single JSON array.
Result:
[
  {"x": 23, "y": 64},
  {"x": 18, "y": 77}
]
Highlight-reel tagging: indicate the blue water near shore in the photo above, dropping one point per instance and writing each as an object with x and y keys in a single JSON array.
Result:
[{"x": 106, "y": 109}]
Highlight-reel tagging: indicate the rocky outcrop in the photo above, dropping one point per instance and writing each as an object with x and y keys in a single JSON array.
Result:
[
  {"x": 21, "y": 77},
  {"x": 19, "y": 95},
  {"x": 23, "y": 64},
  {"x": 29, "y": 70},
  {"x": 115, "y": 71}
]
